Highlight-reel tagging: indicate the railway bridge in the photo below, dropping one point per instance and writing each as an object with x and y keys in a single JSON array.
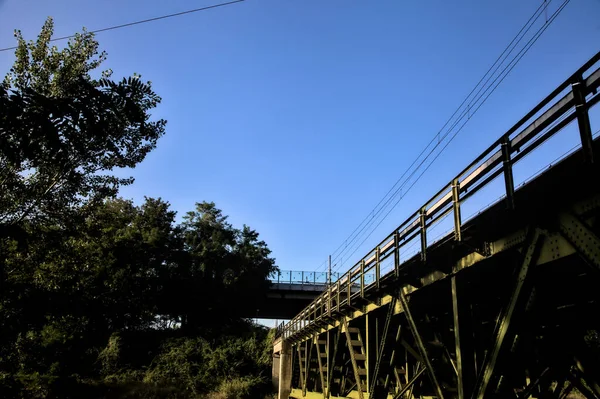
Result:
[{"x": 505, "y": 305}]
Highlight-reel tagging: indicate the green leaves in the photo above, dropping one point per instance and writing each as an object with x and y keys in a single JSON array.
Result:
[
  {"x": 80, "y": 265},
  {"x": 62, "y": 132},
  {"x": 224, "y": 267}
]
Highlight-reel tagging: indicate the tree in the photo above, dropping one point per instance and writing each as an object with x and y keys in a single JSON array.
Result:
[
  {"x": 63, "y": 130},
  {"x": 221, "y": 274},
  {"x": 87, "y": 275},
  {"x": 69, "y": 294}
]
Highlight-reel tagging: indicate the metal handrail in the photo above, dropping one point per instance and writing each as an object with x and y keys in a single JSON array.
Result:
[
  {"x": 497, "y": 159},
  {"x": 301, "y": 277}
]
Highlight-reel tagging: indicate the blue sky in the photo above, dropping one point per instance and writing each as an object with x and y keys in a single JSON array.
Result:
[{"x": 297, "y": 116}]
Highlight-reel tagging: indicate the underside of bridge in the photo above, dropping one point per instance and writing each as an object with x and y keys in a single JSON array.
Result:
[
  {"x": 284, "y": 301},
  {"x": 505, "y": 306}
]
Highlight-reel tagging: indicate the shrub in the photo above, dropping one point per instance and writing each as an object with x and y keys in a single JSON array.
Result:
[{"x": 237, "y": 388}]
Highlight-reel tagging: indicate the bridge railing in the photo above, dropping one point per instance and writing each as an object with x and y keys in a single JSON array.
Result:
[
  {"x": 568, "y": 102},
  {"x": 309, "y": 278}
]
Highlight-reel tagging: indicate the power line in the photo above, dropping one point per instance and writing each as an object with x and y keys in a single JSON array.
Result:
[
  {"x": 519, "y": 55},
  {"x": 375, "y": 212},
  {"x": 465, "y": 112},
  {"x": 140, "y": 22},
  {"x": 497, "y": 65}
]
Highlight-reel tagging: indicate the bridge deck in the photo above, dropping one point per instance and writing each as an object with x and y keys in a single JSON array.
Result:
[{"x": 500, "y": 307}]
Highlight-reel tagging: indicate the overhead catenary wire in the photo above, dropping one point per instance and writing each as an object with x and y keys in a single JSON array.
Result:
[
  {"x": 493, "y": 68},
  {"x": 466, "y": 113},
  {"x": 141, "y": 21},
  {"x": 525, "y": 181},
  {"x": 535, "y": 38}
]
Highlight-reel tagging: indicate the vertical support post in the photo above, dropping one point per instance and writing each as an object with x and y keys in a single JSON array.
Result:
[
  {"x": 302, "y": 278},
  {"x": 320, "y": 362},
  {"x": 422, "y": 216},
  {"x": 362, "y": 278},
  {"x": 327, "y": 389},
  {"x": 377, "y": 266},
  {"x": 300, "y": 365},
  {"x": 583, "y": 120},
  {"x": 339, "y": 288},
  {"x": 329, "y": 301},
  {"x": 329, "y": 272},
  {"x": 353, "y": 358},
  {"x": 349, "y": 287},
  {"x": 307, "y": 353},
  {"x": 397, "y": 253},
  {"x": 285, "y": 370},
  {"x": 463, "y": 338},
  {"x": 420, "y": 345},
  {"x": 506, "y": 319},
  {"x": 508, "y": 174},
  {"x": 331, "y": 365},
  {"x": 456, "y": 207},
  {"x": 368, "y": 350}
]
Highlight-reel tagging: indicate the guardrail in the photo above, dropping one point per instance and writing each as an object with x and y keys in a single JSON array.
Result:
[
  {"x": 308, "y": 278},
  {"x": 550, "y": 116}
]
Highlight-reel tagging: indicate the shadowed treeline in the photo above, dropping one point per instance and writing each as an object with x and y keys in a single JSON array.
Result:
[{"x": 101, "y": 297}]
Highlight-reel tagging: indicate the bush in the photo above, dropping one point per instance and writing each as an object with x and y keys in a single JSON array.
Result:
[
  {"x": 227, "y": 365},
  {"x": 237, "y": 388}
]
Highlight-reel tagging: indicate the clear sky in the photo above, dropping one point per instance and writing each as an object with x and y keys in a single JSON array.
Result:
[{"x": 297, "y": 116}]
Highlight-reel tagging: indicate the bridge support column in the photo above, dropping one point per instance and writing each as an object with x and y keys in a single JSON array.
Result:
[{"x": 282, "y": 368}]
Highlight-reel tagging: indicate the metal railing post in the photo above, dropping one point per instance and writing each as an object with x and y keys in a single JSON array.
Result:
[
  {"x": 377, "y": 266},
  {"x": 508, "y": 174},
  {"x": 397, "y": 254},
  {"x": 456, "y": 207},
  {"x": 329, "y": 301},
  {"x": 362, "y": 278},
  {"x": 349, "y": 287},
  {"x": 583, "y": 120},
  {"x": 337, "y": 302},
  {"x": 422, "y": 215}
]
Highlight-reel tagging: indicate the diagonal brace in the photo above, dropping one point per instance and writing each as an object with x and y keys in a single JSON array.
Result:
[
  {"x": 506, "y": 317},
  {"x": 420, "y": 346}
]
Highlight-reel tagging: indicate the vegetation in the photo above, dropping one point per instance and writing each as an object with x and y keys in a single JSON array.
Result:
[{"x": 100, "y": 297}]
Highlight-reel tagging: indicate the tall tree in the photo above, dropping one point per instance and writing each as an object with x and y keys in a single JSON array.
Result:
[
  {"x": 62, "y": 130},
  {"x": 222, "y": 274}
]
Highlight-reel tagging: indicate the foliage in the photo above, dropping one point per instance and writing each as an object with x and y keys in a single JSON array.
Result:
[
  {"x": 62, "y": 131},
  {"x": 219, "y": 266},
  {"x": 99, "y": 296},
  {"x": 236, "y": 388},
  {"x": 198, "y": 365}
]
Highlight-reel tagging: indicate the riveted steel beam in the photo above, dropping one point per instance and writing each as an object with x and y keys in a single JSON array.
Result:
[
  {"x": 483, "y": 386},
  {"x": 581, "y": 237}
]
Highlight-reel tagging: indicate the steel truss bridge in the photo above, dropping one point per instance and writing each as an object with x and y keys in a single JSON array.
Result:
[{"x": 506, "y": 305}]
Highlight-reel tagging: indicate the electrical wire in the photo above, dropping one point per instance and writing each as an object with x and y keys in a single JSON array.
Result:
[
  {"x": 374, "y": 212},
  {"x": 140, "y": 22},
  {"x": 507, "y": 69}
]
